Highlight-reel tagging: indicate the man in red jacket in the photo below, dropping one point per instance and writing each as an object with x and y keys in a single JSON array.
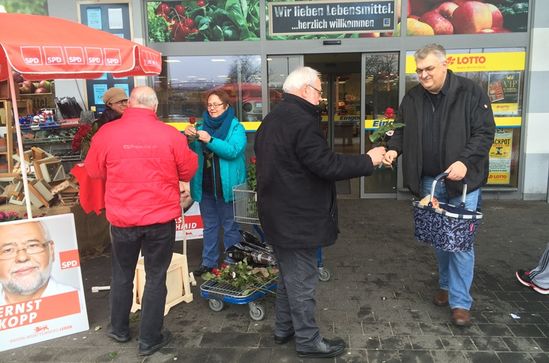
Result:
[{"x": 142, "y": 161}]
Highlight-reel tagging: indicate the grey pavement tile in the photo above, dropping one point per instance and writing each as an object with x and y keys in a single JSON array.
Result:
[
  {"x": 435, "y": 328},
  {"x": 540, "y": 357},
  {"x": 224, "y": 355},
  {"x": 526, "y": 330},
  {"x": 544, "y": 329},
  {"x": 188, "y": 355},
  {"x": 267, "y": 341},
  {"x": 442, "y": 356},
  {"x": 543, "y": 343},
  {"x": 348, "y": 328},
  {"x": 416, "y": 356},
  {"x": 518, "y": 344},
  {"x": 530, "y": 306},
  {"x": 383, "y": 356},
  {"x": 508, "y": 357},
  {"x": 494, "y": 330},
  {"x": 502, "y": 318},
  {"x": 482, "y": 357},
  {"x": 490, "y": 343},
  {"x": 221, "y": 340},
  {"x": 364, "y": 342},
  {"x": 351, "y": 356},
  {"x": 458, "y": 343},
  {"x": 510, "y": 296},
  {"x": 365, "y": 312},
  {"x": 472, "y": 330},
  {"x": 532, "y": 318},
  {"x": 262, "y": 326},
  {"x": 255, "y": 355},
  {"x": 378, "y": 328},
  {"x": 413, "y": 315},
  {"x": 406, "y": 328},
  {"x": 423, "y": 342},
  {"x": 395, "y": 342}
]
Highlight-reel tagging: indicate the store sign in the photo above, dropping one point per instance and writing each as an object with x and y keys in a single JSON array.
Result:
[
  {"x": 321, "y": 17},
  {"x": 49, "y": 302}
]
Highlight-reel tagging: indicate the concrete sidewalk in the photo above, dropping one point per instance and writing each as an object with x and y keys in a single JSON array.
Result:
[{"x": 378, "y": 299}]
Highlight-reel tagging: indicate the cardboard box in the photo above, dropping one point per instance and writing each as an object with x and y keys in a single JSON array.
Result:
[{"x": 177, "y": 282}]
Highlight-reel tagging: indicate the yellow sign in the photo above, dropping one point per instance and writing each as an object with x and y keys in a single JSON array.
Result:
[
  {"x": 478, "y": 62},
  {"x": 500, "y": 158},
  {"x": 248, "y": 125}
]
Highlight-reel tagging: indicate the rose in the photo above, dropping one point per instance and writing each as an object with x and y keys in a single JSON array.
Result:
[
  {"x": 252, "y": 182},
  {"x": 381, "y": 136},
  {"x": 242, "y": 276}
]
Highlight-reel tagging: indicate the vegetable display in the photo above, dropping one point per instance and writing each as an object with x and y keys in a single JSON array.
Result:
[{"x": 203, "y": 20}]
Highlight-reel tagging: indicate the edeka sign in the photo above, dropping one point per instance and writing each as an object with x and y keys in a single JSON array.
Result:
[{"x": 321, "y": 17}]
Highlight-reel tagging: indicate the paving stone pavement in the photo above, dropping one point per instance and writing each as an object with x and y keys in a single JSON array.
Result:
[{"x": 378, "y": 299}]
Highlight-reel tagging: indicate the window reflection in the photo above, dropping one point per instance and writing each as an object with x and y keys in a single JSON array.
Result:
[{"x": 184, "y": 80}]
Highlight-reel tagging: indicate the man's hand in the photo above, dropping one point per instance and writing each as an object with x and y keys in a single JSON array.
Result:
[
  {"x": 376, "y": 154},
  {"x": 456, "y": 171},
  {"x": 390, "y": 157}
]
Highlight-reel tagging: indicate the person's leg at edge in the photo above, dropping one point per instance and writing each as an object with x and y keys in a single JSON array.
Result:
[
  {"x": 300, "y": 280},
  {"x": 462, "y": 264},
  {"x": 210, "y": 217},
  {"x": 540, "y": 274},
  {"x": 231, "y": 235},
  {"x": 158, "y": 243},
  {"x": 125, "y": 252},
  {"x": 283, "y": 317}
]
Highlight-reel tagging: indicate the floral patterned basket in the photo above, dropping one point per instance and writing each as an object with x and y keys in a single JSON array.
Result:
[{"x": 450, "y": 228}]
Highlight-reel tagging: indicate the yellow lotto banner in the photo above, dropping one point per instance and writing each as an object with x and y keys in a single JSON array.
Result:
[
  {"x": 478, "y": 62},
  {"x": 248, "y": 125}
]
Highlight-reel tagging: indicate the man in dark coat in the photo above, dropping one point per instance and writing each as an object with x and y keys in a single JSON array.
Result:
[
  {"x": 297, "y": 205},
  {"x": 449, "y": 128}
]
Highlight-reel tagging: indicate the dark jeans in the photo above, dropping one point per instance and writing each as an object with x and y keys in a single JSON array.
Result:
[
  {"x": 295, "y": 295},
  {"x": 156, "y": 243}
]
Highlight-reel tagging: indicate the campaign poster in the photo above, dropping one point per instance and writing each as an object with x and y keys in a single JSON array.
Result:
[
  {"x": 193, "y": 226},
  {"x": 41, "y": 290}
]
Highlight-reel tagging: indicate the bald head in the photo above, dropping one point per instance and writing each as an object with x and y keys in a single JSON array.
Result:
[{"x": 143, "y": 97}]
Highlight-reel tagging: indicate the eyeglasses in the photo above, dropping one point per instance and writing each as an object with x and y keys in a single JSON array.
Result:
[
  {"x": 316, "y": 89},
  {"x": 429, "y": 70},
  {"x": 214, "y": 105},
  {"x": 10, "y": 250},
  {"x": 122, "y": 102}
]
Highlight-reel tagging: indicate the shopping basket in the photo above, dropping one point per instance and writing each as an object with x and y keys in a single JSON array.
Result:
[{"x": 450, "y": 228}]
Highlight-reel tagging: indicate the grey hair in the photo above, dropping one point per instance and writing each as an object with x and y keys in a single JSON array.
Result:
[
  {"x": 144, "y": 96},
  {"x": 300, "y": 77},
  {"x": 45, "y": 231},
  {"x": 432, "y": 48}
]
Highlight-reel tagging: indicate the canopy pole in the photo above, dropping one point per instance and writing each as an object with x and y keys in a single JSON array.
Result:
[{"x": 20, "y": 143}]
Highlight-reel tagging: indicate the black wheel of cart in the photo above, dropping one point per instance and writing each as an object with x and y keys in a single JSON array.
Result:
[
  {"x": 215, "y": 305},
  {"x": 257, "y": 311}
]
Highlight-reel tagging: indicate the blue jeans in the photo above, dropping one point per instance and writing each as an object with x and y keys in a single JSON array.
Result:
[
  {"x": 156, "y": 244},
  {"x": 216, "y": 214},
  {"x": 455, "y": 269}
]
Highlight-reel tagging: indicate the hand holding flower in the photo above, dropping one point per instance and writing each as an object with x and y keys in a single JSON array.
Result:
[
  {"x": 203, "y": 136},
  {"x": 376, "y": 154}
]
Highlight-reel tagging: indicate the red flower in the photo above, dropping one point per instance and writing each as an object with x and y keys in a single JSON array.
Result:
[
  {"x": 389, "y": 112},
  {"x": 224, "y": 266},
  {"x": 80, "y": 134},
  {"x": 216, "y": 271},
  {"x": 192, "y": 120},
  {"x": 253, "y": 160}
]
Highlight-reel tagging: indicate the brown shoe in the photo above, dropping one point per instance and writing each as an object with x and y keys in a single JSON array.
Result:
[
  {"x": 461, "y": 317},
  {"x": 441, "y": 298}
]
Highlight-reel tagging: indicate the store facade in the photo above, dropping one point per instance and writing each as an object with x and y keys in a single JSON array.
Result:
[{"x": 363, "y": 50}]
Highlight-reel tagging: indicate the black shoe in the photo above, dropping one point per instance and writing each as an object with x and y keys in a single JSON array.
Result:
[
  {"x": 150, "y": 349},
  {"x": 325, "y": 348},
  {"x": 119, "y": 338},
  {"x": 202, "y": 270},
  {"x": 283, "y": 340}
]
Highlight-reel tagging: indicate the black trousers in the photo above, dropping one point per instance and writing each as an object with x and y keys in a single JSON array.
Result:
[
  {"x": 295, "y": 295},
  {"x": 156, "y": 243}
]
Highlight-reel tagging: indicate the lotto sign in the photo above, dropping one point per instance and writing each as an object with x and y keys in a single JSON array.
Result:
[{"x": 47, "y": 301}]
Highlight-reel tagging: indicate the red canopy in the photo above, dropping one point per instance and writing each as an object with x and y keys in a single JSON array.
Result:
[{"x": 44, "y": 47}]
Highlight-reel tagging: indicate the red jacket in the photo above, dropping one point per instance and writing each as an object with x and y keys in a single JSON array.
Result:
[{"x": 142, "y": 160}]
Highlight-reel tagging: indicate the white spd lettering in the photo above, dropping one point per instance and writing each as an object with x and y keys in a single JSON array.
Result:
[
  {"x": 69, "y": 264},
  {"x": 112, "y": 61},
  {"x": 94, "y": 60},
  {"x": 32, "y": 60},
  {"x": 75, "y": 59},
  {"x": 55, "y": 60}
]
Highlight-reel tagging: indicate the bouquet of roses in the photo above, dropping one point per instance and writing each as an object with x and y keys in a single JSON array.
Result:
[{"x": 242, "y": 276}]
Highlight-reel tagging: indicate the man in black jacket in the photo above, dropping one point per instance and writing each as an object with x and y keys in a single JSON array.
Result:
[
  {"x": 449, "y": 128},
  {"x": 297, "y": 204}
]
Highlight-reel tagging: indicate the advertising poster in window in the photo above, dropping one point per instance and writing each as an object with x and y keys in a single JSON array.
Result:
[
  {"x": 500, "y": 158},
  {"x": 504, "y": 91},
  {"x": 41, "y": 290},
  {"x": 202, "y": 20},
  {"x": 433, "y": 17}
]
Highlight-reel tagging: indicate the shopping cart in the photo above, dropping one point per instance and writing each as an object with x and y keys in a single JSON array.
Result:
[
  {"x": 245, "y": 211},
  {"x": 450, "y": 228},
  {"x": 219, "y": 293}
]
